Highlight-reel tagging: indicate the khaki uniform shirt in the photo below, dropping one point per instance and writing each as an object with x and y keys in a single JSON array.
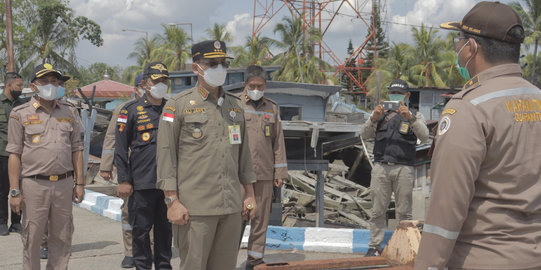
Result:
[
  {"x": 44, "y": 140},
  {"x": 195, "y": 156},
  {"x": 108, "y": 149},
  {"x": 266, "y": 138},
  {"x": 485, "y": 207},
  {"x": 6, "y": 106}
]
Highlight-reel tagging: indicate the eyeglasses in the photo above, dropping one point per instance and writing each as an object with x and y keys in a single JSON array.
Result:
[
  {"x": 45, "y": 81},
  {"x": 214, "y": 63}
]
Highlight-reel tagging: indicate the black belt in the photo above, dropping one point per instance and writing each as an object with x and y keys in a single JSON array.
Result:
[{"x": 52, "y": 178}]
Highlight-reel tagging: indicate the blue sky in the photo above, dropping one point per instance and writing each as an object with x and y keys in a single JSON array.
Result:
[{"x": 147, "y": 15}]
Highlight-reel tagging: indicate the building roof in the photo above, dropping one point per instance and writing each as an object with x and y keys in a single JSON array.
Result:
[
  {"x": 107, "y": 89},
  {"x": 292, "y": 88}
]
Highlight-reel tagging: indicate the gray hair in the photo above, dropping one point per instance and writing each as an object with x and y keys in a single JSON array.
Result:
[{"x": 254, "y": 71}]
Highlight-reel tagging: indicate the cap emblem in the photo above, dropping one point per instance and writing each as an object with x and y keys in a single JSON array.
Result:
[{"x": 217, "y": 44}]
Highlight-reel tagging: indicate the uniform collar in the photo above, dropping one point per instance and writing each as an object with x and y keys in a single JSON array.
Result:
[
  {"x": 493, "y": 72},
  {"x": 3, "y": 97},
  {"x": 146, "y": 102},
  {"x": 36, "y": 104},
  {"x": 246, "y": 99},
  {"x": 204, "y": 94}
]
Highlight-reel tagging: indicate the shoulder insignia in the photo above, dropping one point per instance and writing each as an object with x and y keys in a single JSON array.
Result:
[
  {"x": 35, "y": 105},
  {"x": 270, "y": 100},
  {"x": 448, "y": 111},
  {"x": 124, "y": 111},
  {"x": 171, "y": 108},
  {"x": 130, "y": 103},
  {"x": 203, "y": 92},
  {"x": 14, "y": 117},
  {"x": 233, "y": 95}
]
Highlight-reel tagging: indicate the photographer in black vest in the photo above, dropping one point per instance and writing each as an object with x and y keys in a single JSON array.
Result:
[{"x": 396, "y": 130}]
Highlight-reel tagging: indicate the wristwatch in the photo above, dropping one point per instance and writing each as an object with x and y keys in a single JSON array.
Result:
[
  {"x": 169, "y": 200},
  {"x": 413, "y": 118},
  {"x": 14, "y": 192}
]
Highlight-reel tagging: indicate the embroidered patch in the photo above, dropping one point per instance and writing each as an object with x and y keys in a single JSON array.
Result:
[
  {"x": 267, "y": 131},
  {"x": 169, "y": 117},
  {"x": 150, "y": 125},
  {"x": 445, "y": 124},
  {"x": 122, "y": 118},
  {"x": 141, "y": 128},
  {"x": 171, "y": 108},
  {"x": 32, "y": 117},
  {"x": 194, "y": 110},
  {"x": 448, "y": 111},
  {"x": 143, "y": 116},
  {"x": 140, "y": 108},
  {"x": 197, "y": 133},
  {"x": 121, "y": 127},
  {"x": 36, "y": 105},
  {"x": 145, "y": 136},
  {"x": 124, "y": 111}
]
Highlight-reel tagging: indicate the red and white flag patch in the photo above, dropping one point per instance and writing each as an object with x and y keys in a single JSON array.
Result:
[
  {"x": 169, "y": 117},
  {"x": 122, "y": 118}
]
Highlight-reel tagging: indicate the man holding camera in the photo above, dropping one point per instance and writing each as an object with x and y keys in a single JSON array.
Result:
[{"x": 396, "y": 130}]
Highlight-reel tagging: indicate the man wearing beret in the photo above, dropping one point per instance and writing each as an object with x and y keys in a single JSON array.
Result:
[
  {"x": 396, "y": 131},
  {"x": 203, "y": 159},
  {"x": 106, "y": 170},
  {"x": 135, "y": 159},
  {"x": 485, "y": 206},
  {"x": 45, "y": 149}
]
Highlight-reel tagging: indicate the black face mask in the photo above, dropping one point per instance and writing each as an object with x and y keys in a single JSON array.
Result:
[{"x": 15, "y": 94}]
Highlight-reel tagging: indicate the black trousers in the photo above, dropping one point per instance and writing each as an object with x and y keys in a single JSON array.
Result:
[
  {"x": 146, "y": 209},
  {"x": 4, "y": 193}
]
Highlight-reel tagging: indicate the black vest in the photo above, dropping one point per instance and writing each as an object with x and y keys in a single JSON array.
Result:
[{"x": 395, "y": 141}]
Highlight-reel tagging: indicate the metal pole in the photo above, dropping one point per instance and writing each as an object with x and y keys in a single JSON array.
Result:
[
  {"x": 378, "y": 87},
  {"x": 9, "y": 33},
  {"x": 320, "y": 200}
]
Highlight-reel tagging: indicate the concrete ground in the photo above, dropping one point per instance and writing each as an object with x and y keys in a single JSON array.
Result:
[{"x": 97, "y": 244}]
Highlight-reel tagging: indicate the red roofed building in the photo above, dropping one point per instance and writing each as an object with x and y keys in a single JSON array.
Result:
[{"x": 107, "y": 90}]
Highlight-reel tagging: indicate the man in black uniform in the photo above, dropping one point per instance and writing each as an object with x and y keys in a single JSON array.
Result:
[
  {"x": 396, "y": 131},
  {"x": 9, "y": 99},
  {"x": 137, "y": 130}
]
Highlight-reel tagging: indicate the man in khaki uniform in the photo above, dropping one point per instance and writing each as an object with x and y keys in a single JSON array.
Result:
[
  {"x": 203, "y": 158},
  {"x": 45, "y": 149},
  {"x": 267, "y": 148},
  {"x": 106, "y": 172},
  {"x": 396, "y": 132},
  {"x": 9, "y": 99},
  {"x": 485, "y": 207}
]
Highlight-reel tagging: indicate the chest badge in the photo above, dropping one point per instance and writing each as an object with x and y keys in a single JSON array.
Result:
[
  {"x": 140, "y": 108},
  {"x": 267, "y": 131},
  {"x": 192, "y": 102},
  {"x": 36, "y": 138},
  {"x": 196, "y": 134},
  {"x": 404, "y": 127},
  {"x": 145, "y": 136},
  {"x": 233, "y": 114}
]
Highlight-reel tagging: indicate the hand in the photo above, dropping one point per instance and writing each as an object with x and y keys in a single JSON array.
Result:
[
  {"x": 16, "y": 203},
  {"x": 124, "y": 190},
  {"x": 377, "y": 114},
  {"x": 177, "y": 213},
  {"x": 106, "y": 175},
  {"x": 78, "y": 194},
  {"x": 248, "y": 210},
  {"x": 404, "y": 111},
  {"x": 278, "y": 182}
]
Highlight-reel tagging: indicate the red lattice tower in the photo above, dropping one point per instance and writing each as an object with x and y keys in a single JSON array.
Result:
[{"x": 320, "y": 14}]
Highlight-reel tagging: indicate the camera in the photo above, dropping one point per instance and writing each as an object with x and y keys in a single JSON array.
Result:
[{"x": 390, "y": 105}]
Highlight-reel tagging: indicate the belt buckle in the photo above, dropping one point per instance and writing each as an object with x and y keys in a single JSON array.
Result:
[{"x": 53, "y": 178}]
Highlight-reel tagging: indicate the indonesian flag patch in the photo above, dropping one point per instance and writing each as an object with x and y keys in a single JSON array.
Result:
[
  {"x": 169, "y": 117},
  {"x": 122, "y": 118}
]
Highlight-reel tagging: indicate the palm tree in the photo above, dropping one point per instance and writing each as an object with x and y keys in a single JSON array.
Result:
[
  {"x": 256, "y": 51},
  {"x": 298, "y": 61},
  {"x": 218, "y": 32},
  {"x": 173, "y": 50},
  {"x": 427, "y": 49},
  {"x": 531, "y": 21},
  {"x": 143, "y": 50}
]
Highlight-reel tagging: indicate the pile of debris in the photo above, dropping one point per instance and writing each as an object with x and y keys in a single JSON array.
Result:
[{"x": 347, "y": 204}]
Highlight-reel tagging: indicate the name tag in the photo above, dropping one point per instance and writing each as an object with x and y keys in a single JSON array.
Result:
[{"x": 234, "y": 134}]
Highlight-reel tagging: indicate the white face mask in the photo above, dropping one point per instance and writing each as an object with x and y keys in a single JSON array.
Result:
[
  {"x": 214, "y": 76},
  {"x": 47, "y": 92},
  {"x": 159, "y": 90},
  {"x": 140, "y": 91},
  {"x": 255, "y": 94}
]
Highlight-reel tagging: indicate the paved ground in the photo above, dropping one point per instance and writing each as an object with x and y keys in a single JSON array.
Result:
[{"x": 97, "y": 244}]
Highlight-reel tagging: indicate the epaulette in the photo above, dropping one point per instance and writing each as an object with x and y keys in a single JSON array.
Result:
[
  {"x": 22, "y": 106},
  {"x": 232, "y": 95},
  {"x": 472, "y": 84},
  {"x": 177, "y": 96},
  {"x": 131, "y": 103},
  {"x": 272, "y": 101}
]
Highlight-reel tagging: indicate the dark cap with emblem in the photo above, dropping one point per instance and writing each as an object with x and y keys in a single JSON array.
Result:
[
  {"x": 492, "y": 20},
  {"x": 44, "y": 69},
  {"x": 398, "y": 85},
  {"x": 209, "y": 49},
  {"x": 138, "y": 79},
  {"x": 155, "y": 70}
]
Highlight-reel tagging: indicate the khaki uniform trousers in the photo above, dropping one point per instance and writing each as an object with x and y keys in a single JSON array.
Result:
[
  {"x": 387, "y": 179},
  {"x": 258, "y": 225},
  {"x": 47, "y": 203},
  {"x": 208, "y": 242},
  {"x": 126, "y": 229}
]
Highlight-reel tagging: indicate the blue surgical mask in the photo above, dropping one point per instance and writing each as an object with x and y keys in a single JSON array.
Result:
[
  {"x": 397, "y": 97},
  {"x": 464, "y": 70},
  {"x": 60, "y": 92}
]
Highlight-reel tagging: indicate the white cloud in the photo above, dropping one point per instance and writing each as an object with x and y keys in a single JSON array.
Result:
[{"x": 240, "y": 28}]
